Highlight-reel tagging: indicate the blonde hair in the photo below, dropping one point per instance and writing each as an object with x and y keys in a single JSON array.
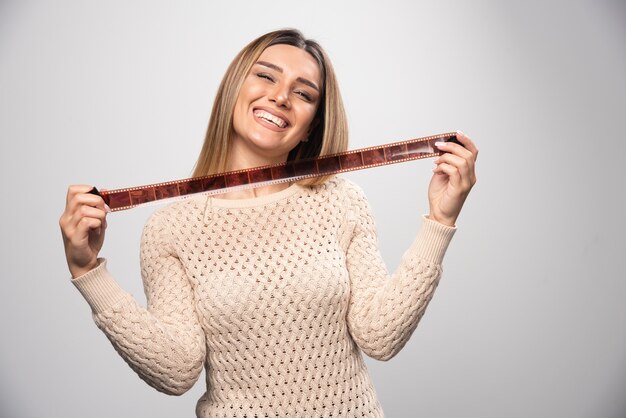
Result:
[{"x": 329, "y": 133}]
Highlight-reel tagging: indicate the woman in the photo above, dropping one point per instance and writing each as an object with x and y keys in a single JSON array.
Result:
[{"x": 274, "y": 290}]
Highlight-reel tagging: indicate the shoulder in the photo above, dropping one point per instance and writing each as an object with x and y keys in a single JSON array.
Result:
[
  {"x": 174, "y": 213},
  {"x": 167, "y": 225},
  {"x": 342, "y": 194}
]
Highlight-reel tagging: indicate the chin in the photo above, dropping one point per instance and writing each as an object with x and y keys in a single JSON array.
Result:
[{"x": 270, "y": 148}]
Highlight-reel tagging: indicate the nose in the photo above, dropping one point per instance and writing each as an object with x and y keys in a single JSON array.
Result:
[{"x": 280, "y": 96}]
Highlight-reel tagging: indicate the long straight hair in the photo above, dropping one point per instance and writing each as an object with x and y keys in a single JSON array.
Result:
[{"x": 329, "y": 134}]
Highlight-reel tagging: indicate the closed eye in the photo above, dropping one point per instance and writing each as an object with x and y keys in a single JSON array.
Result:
[
  {"x": 265, "y": 76},
  {"x": 306, "y": 96}
]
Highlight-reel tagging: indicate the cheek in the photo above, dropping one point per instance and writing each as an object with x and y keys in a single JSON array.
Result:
[
  {"x": 238, "y": 114},
  {"x": 251, "y": 90},
  {"x": 307, "y": 118},
  {"x": 246, "y": 96}
]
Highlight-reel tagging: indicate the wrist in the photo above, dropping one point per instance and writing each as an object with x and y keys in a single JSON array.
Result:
[
  {"x": 442, "y": 220},
  {"x": 76, "y": 271}
]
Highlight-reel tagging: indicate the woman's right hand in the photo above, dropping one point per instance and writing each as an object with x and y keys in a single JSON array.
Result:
[{"x": 83, "y": 224}]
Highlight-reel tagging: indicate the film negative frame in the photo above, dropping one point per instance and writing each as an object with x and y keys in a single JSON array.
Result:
[{"x": 393, "y": 153}]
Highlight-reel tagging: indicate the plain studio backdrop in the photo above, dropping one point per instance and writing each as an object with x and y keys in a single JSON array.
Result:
[{"x": 529, "y": 319}]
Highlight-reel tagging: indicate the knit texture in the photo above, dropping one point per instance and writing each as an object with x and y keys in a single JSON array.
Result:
[{"x": 275, "y": 296}]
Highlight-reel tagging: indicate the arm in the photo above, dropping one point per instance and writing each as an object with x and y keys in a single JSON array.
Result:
[
  {"x": 385, "y": 310},
  {"x": 164, "y": 343}
]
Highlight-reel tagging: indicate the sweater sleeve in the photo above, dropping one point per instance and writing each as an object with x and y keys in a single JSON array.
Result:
[
  {"x": 164, "y": 342},
  {"x": 385, "y": 309}
]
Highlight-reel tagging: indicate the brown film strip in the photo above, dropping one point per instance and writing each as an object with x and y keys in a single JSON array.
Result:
[{"x": 412, "y": 149}]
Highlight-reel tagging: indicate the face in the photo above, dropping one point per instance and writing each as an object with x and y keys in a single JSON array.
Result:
[{"x": 276, "y": 106}]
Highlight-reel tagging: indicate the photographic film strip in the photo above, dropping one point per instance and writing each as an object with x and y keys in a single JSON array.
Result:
[{"x": 291, "y": 171}]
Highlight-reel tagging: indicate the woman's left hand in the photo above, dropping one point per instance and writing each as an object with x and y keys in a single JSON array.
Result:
[{"x": 453, "y": 179}]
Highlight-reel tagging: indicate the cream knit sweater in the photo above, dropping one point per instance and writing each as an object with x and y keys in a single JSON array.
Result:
[{"x": 276, "y": 296}]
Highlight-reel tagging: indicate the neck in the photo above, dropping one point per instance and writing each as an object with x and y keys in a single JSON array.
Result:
[
  {"x": 244, "y": 161},
  {"x": 256, "y": 192}
]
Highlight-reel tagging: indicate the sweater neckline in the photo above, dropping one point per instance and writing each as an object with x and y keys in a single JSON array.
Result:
[{"x": 256, "y": 201}]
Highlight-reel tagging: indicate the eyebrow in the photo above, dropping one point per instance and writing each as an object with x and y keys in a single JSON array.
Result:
[{"x": 280, "y": 70}]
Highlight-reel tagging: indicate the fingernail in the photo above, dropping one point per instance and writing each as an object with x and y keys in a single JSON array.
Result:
[
  {"x": 440, "y": 144},
  {"x": 107, "y": 209},
  {"x": 460, "y": 132}
]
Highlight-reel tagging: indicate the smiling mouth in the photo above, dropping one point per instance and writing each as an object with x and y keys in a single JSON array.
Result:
[{"x": 281, "y": 123}]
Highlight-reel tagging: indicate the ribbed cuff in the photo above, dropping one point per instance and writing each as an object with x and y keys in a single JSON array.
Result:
[
  {"x": 432, "y": 240},
  {"x": 99, "y": 288}
]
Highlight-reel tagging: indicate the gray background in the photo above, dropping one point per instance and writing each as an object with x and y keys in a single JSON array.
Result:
[{"x": 529, "y": 320}]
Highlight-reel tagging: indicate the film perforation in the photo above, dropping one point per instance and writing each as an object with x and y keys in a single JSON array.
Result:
[{"x": 291, "y": 171}]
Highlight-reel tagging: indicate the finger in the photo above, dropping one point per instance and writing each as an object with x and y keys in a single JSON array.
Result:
[
  {"x": 90, "y": 212},
  {"x": 459, "y": 178},
  {"x": 471, "y": 147},
  {"x": 466, "y": 154},
  {"x": 71, "y": 223},
  {"x": 79, "y": 236},
  {"x": 456, "y": 149},
  {"x": 467, "y": 143},
  {"x": 454, "y": 177},
  {"x": 75, "y": 189},
  {"x": 85, "y": 199},
  {"x": 464, "y": 166},
  {"x": 83, "y": 228}
]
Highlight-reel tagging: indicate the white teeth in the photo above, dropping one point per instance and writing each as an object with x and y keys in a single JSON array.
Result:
[{"x": 270, "y": 118}]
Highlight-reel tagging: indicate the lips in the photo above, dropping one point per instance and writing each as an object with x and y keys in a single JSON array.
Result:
[{"x": 271, "y": 117}]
